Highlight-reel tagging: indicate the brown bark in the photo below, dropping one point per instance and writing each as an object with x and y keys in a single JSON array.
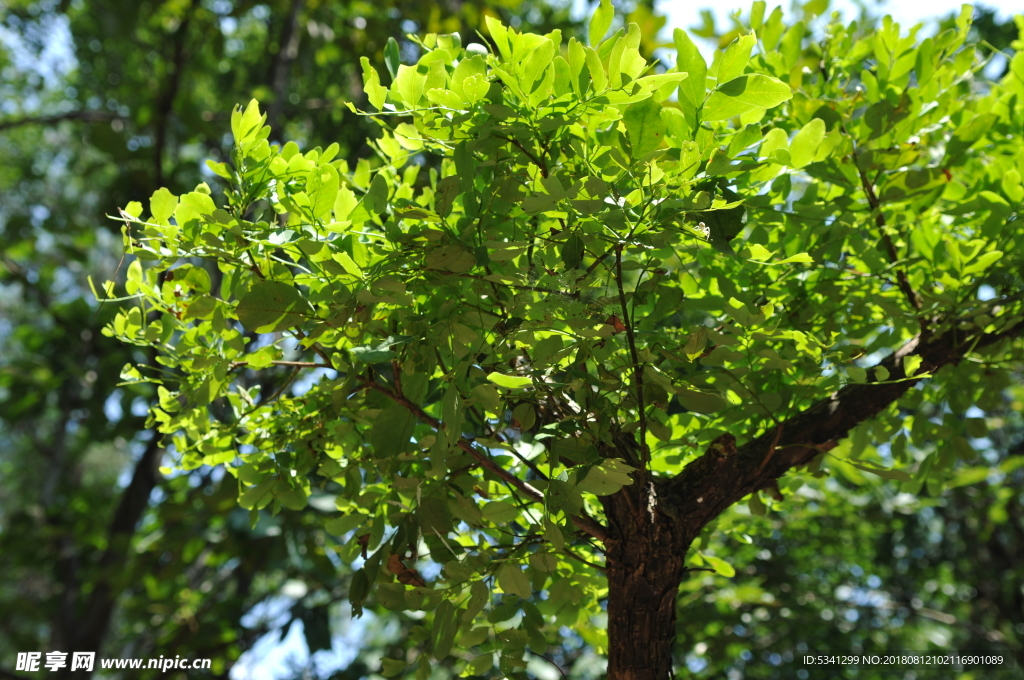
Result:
[
  {"x": 648, "y": 534},
  {"x": 645, "y": 566}
]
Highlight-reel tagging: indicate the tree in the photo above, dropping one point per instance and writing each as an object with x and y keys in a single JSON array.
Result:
[
  {"x": 548, "y": 371},
  {"x": 105, "y": 100}
]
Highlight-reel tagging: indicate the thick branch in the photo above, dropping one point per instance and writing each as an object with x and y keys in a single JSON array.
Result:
[
  {"x": 134, "y": 501},
  {"x": 585, "y": 523},
  {"x": 709, "y": 485}
]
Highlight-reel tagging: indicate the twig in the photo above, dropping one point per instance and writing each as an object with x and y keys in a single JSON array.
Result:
[
  {"x": 638, "y": 375},
  {"x": 298, "y": 364},
  {"x": 587, "y": 524},
  {"x": 771, "y": 449},
  {"x": 890, "y": 247}
]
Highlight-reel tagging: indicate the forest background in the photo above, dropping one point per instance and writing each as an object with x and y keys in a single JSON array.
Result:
[{"x": 102, "y": 102}]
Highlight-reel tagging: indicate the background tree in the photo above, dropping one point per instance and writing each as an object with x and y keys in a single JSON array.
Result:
[
  {"x": 103, "y": 101},
  {"x": 62, "y": 172},
  {"x": 610, "y": 316}
]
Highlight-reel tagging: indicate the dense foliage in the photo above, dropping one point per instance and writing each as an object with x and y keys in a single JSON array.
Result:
[
  {"x": 102, "y": 101},
  {"x": 86, "y": 90},
  {"x": 556, "y": 337}
]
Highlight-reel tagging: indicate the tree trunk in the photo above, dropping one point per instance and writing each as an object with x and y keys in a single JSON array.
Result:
[{"x": 645, "y": 554}]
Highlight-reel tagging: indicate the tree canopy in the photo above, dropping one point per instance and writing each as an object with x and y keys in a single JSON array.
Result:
[
  {"x": 623, "y": 303},
  {"x": 573, "y": 340}
]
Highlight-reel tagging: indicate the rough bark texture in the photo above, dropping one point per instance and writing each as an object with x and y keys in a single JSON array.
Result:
[
  {"x": 644, "y": 566},
  {"x": 648, "y": 534}
]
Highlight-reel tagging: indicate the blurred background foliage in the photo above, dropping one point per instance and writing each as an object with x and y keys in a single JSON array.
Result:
[{"x": 104, "y": 101}]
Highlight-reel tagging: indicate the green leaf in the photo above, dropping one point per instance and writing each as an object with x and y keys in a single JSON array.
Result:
[
  {"x": 358, "y": 589},
  {"x": 911, "y": 363},
  {"x": 391, "y": 668},
  {"x": 510, "y": 381},
  {"x": 744, "y": 94},
  {"x": 375, "y": 92},
  {"x": 525, "y": 416},
  {"x": 885, "y": 473},
  {"x": 162, "y": 205},
  {"x": 374, "y": 354},
  {"x": 271, "y": 306},
  {"x": 735, "y": 58},
  {"x": 499, "y": 512},
  {"x": 600, "y": 22},
  {"x": 512, "y": 580},
  {"x": 545, "y": 562},
  {"x": 488, "y": 397},
  {"x": 445, "y": 627},
  {"x": 467, "y": 68},
  {"x": 572, "y": 251},
  {"x": 799, "y": 258},
  {"x": 983, "y": 263},
  {"x": 339, "y": 526},
  {"x": 245, "y": 125},
  {"x": 806, "y": 142},
  {"x": 392, "y": 431},
  {"x": 968, "y": 476},
  {"x": 720, "y": 566},
  {"x": 701, "y": 402},
  {"x": 409, "y": 84},
  {"x": 695, "y": 344},
  {"x": 392, "y": 57},
  {"x": 348, "y": 264},
  {"x": 645, "y": 128},
  {"x": 607, "y": 478},
  {"x": 259, "y": 496},
  {"x": 452, "y": 258},
  {"x": 690, "y": 61}
]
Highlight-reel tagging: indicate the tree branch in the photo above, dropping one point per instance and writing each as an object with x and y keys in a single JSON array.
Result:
[
  {"x": 709, "y": 485},
  {"x": 585, "y": 523},
  {"x": 638, "y": 371},
  {"x": 165, "y": 103},
  {"x": 901, "y": 275},
  {"x": 84, "y": 116},
  {"x": 134, "y": 501},
  {"x": 287, "y": 51}
]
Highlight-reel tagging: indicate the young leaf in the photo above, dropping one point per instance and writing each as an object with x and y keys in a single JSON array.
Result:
[
  {"x": 690, "y": 61},
  {"x": 743, "y": 94},
  {"x": 510, "y": 381},
  {"x": 735, "y": 59},
  {"x": 600, "y": 22},
  {"x": 375, "y": 92},
  {"x": 806, "y": 142},
  {"x": 720, "y": 566}
]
